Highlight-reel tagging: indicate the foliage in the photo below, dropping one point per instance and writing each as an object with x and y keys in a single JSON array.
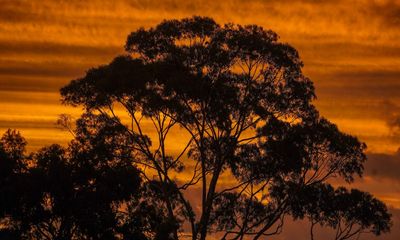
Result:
[{"x": 67, "y": 193}]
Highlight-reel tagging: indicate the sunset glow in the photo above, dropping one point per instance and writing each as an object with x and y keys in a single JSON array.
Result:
[{"x": 350, "y": 50}]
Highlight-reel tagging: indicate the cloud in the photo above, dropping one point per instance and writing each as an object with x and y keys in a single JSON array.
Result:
[
  {"x": 42, "y": 49},
  {"x": 383, "y": 166},
  {"x": 48, "y": 65},
  {"x": 391, "y": 113},
  {"x": 387, "y": 11},
  {"x": 47, "y": 68}
]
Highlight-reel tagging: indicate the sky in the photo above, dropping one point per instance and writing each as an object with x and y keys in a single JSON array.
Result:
[{"x": 350, "y": 49}]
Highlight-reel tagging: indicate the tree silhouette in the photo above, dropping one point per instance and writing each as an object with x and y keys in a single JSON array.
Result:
[
  {"x": 243, "y": 100},
  {"x": 88, "y": 190},
  {"x": 238, "y": 98}
]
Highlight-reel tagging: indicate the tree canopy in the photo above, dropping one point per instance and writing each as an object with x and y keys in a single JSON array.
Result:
[{"x": 239, "y": 101}]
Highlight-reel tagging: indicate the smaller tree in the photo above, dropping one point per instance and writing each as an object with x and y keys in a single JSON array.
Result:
[
  {"x": 349, "y": 212},
  {"x": 15, "y": 191},
  {"x": 89, "y": 190}
]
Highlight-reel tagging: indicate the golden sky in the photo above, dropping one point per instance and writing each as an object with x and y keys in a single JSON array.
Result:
[{"x": 351, "y": 50}]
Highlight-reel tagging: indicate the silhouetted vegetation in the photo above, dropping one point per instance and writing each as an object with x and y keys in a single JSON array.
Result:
[{"x": 238, "y": 98}]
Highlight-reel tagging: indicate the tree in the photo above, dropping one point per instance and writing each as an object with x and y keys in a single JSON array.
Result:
[
  {"x": 246, "y": 107},
  {"x": 238, "y": 98},
  {"x": 67, "y": 193}
]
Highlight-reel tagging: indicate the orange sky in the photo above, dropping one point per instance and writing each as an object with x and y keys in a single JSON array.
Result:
[{"x": 351, "y": 50}]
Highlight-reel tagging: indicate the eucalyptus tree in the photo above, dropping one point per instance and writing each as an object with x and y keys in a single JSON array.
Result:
[
  {"x": 74, "y": 192},
  {"x": 238, "y": 98}
]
